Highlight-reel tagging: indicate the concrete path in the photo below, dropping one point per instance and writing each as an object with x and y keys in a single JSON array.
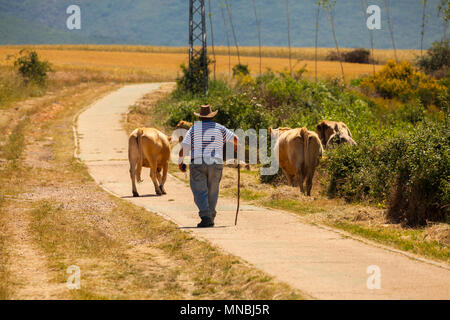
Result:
[{"x": 323, "y": 263}]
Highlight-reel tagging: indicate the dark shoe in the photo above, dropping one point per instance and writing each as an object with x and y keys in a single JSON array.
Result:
[{"x": 206, "y": 223}]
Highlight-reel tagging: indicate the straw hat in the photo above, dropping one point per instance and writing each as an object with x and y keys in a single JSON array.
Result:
[{"x": 206, "y": 112}]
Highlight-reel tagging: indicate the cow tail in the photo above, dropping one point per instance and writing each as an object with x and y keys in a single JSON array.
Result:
[
  {"x": 140, "y": 155},
  {"x": 305, "y": 136}
]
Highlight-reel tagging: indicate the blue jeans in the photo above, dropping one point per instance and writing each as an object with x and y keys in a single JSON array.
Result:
[{"x": 205, "y": 181}]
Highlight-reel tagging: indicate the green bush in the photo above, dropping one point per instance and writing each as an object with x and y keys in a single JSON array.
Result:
[
  {"x": 410, "y": 171},
  {"x": 402, "y": 81},
  {"x": 421, "y": 190},
  {"x": 436, "y": 61},
  {"x": 235, "y": 110},
  {"x": 240, "y": 70},
  {"x": 31, "y": 67},
  {"x": 360, "y": 55},
  {"x": 194, "y": 75}
]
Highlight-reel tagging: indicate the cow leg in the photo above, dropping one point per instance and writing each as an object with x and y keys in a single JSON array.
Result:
[
  {"x": 133, "y": 164},
  {"x": 158, "y": 175},
  {"x": 153, "y": 171},
  {"x": 164, "y": 178},
  {"x": 133, "y": 179},
  {"x": 301, "y": 179},
  {"x": 288, "y": 177},
  {"x": 309, "y": 179}
]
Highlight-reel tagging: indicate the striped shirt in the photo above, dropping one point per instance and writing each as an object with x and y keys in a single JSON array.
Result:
[{"x": 205, "y": 141}]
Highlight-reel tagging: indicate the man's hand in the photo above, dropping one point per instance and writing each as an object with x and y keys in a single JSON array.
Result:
[{"x": 181, "y": 165}]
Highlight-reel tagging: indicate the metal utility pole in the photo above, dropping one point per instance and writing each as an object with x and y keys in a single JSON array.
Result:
[{"x": 197, "y": 37}]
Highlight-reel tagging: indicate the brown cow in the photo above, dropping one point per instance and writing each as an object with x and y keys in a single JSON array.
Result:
[
  {"x": 326, "y": 129},
  {"x": 184, "y": 125},
  {"x": 275, "y": 133},
  {"x": 299, "y": 151},
  {"x": 149, "y": 148}
]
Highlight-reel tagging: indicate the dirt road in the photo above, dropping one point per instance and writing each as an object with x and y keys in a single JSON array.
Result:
[{"x": 325, "y": 264}]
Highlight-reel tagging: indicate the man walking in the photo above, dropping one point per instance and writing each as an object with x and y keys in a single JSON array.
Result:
[{"x": 205, "y": 141}]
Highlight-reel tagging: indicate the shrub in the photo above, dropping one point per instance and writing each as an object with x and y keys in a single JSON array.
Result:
[
  {"x": 360, "y": 55},
  {"x": 236, "y": 110},
  {"x": 194, "y": 75},
  {"x": 409, "y": 171},
  {"x": 31, "y": 67},
  {"x": 421, "y": 190},
  {"x": 402, "y": 81},
  {"x": 240, "y": 70},
  {"x": 436, "y": 61}
]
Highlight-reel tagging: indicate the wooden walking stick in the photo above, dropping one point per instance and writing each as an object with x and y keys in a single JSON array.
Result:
[{"x": 239, "y": 193}]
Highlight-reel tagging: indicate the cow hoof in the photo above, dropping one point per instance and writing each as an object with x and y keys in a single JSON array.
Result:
[
  {"x": 163, "y": 191},
  {"x": 158, "y": 192},
  {"x": 135, "y": 194}
]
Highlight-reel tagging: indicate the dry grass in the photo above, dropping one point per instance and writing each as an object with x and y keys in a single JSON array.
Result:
[
  {"x": 161, "y": 63},
  {"x": 381, "y": 55}
]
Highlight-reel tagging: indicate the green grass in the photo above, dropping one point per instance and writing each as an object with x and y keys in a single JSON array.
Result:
[
  {"x": 246, "y": 194},
  {"x": 293, "y": 205},
  {"x": 407, "y": 240}
]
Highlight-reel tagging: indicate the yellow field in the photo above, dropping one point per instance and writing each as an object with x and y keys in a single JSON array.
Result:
[
  {"x": 164, "y": 62},
  {"x": 381, "y": 55}
]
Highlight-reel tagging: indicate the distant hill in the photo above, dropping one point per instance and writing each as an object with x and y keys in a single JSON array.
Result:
[{"x": 165, "y": 22}]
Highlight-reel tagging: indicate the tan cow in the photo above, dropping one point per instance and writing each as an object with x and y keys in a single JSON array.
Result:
[
  {"x": 275, "y": 133},
  {"x": 184, "y": 125},
  {"x": 299, "y": 151},
  {"x": 149, "y": 148},
  {"x": 326, "y": 129}
]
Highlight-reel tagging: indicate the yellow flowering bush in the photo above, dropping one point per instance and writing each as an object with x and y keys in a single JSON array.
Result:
[{"x": 401, "y": 80}]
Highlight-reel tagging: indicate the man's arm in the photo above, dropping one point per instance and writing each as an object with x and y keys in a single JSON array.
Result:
[
  {"x": 185, "y": 149},
  {"x": 236, "y": 143}
]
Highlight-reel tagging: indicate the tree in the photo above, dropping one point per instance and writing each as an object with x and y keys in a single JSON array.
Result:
[
  {"x": 258, "y": 26},
  {"x": 228, "y": 37},
  {"x": 212, "y": 37},
  {"x": 328, "y": 6},
  {"x": 387, "y": 4},
  {"x": 289, "y": 36},
  {"x": 424, "y": 20},
  {"x": 316, "y": 39},
  {"x": 365, "y": 5},
  {"x": 32, "y": 68},
  {"x": 194, "y": 75},
  {"x": 230, "y": 16},
  {"x": 444, "y": 14}
]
